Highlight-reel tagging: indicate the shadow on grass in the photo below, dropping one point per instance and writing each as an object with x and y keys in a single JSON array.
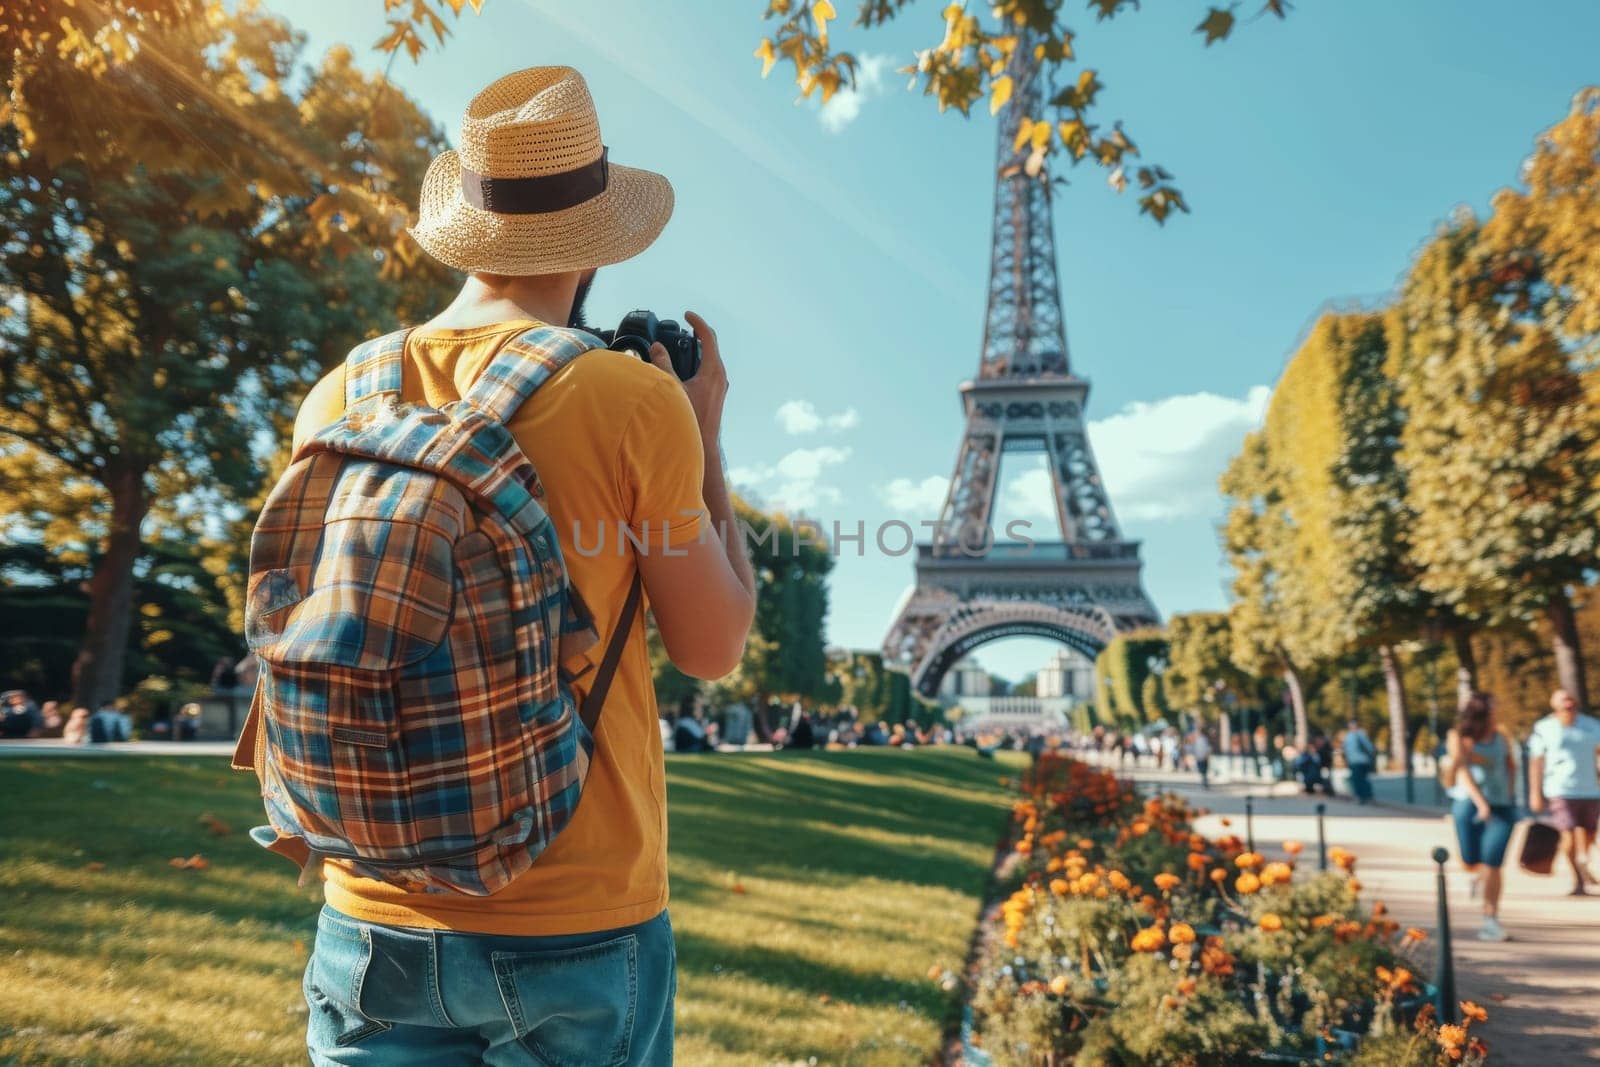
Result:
[{"x": 839, "y": 816}]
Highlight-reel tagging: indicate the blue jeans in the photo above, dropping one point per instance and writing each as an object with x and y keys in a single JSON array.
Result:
[
  {"x": 1360, "y": 781},
  {"x": 390, "y": 996},
  {"x": 1482, "y": 841}
]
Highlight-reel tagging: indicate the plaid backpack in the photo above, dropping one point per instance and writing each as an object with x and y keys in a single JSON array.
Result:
[{"x": 412, "y": 615}]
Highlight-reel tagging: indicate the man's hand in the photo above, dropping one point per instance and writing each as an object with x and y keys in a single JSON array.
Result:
[
  {"x": 708, "y": 389},
  {"x": 1536, "y": 803},
  {"x": 704, "y": 597}
]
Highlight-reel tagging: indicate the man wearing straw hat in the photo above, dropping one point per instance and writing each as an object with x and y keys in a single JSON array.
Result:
[{"x": 573, "y": 962}]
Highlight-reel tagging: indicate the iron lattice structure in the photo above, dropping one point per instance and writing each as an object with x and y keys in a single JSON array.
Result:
[{"x": 975, "y": 584}]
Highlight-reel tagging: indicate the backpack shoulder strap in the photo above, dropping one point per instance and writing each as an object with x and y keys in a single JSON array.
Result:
[
  {"x": 523, "y": 364},
  {"x": 594, "y": 703},
  {"x": 373, "y": 368}
]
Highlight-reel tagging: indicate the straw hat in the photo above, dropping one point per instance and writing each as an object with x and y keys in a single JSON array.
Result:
[{"x": 530, "y": 190}]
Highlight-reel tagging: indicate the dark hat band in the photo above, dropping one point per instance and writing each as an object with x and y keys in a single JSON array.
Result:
[{"x": 538, "y": 195}]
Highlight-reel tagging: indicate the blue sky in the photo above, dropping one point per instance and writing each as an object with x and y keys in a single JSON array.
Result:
[{"x": 842, "y": 254}]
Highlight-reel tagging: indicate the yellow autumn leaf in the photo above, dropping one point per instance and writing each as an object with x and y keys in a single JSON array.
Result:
[
  {"x": 999, "y": 93},
  {"x": 767, "y": 54},
  {"x": 1024, "y": 133},
  {"x": 822, "y": 11},
  {"x": 1040, "y": 135},
  {"x": 828, "y": 80}
]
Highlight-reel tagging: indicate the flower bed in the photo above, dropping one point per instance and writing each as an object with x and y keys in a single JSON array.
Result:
[{"x": 1124, "y": 937}]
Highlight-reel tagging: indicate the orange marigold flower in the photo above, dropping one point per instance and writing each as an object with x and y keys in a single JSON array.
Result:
[
  {"x": 1085, "y": 843},
  {"x": 1140, "y": 827},
  {"x": 1186, "y": 986},
  {"x": 1380, "y": 908},
  {"x": 1215, "y": 960},
  {"x": 1323, "y": 920},
  {"x": 1452, "y": 1039},
  {"x": 1197, "y": 861},
  {"x": 1414, "y": 934},
  {"x": 1246, "y": 860},
  {"x": 1277, "y": 874},
  {"x": 1058, "y": 886},
  {"x": 1355, "y": 886},
  {"x": 1181, "y": 934},
  {"x": 1119, "y": 881},
  {"x": 1150, "y": 939},
  {"x": 1218, "y": 874},
  {"x": 1165, "y": 881},
  {"x": 1293, "y": 848},
  {"x": 1247, "y": 883},
  {"x": 1474, "y": 1012},
  {"x": 1343, "y": 859},
  {"x": 1271, "y": 922}
]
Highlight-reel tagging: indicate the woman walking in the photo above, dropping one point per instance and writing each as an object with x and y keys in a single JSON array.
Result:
[{"x": 1479, "y": 771}]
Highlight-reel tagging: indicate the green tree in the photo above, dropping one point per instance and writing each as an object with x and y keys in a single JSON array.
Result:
[
  {"x": 1200, "y": 662},
  {"x": 1500, "y": 448},
  {"x": 1125, "y": 664},
  {"x": 1259, "y": 546},
  {"x": 162, "y": 313},
  {"x": 785, "y": 657},
  {"x": 1333, "y": 429}
]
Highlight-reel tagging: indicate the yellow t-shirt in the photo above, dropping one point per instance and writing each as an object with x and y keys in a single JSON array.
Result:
[{"x": 615, "y": 442}]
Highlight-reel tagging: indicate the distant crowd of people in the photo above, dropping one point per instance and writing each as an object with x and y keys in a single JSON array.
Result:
[
  {"x": 24, "y": 718},
  {"x": 691, "y": 727},
  {"x": 21, "y": 718}
]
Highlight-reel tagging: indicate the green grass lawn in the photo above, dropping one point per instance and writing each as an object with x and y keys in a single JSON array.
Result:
[{"x": 858, "y": 871}]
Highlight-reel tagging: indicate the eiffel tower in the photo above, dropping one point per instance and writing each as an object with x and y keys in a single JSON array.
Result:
[{"x": 972, "y": 586}]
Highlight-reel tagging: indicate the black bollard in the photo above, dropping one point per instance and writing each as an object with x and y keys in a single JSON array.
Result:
[
  {"x": 1445, "y": 979},
  {"x": 1322, "y": 839},
  {"x": 1250, "y": 823}
]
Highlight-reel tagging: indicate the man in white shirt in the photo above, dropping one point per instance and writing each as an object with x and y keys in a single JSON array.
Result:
[{"x": 1561, "y": 776}]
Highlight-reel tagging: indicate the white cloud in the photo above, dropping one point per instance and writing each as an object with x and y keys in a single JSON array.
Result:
[
  {"x": 848, "y": 419},
  {"x": 923, "y": 498},
  {"x": 749, "y": 477},
  {"x": 844, "y": 107},
  {"x": 1028, "y": 495},
  {"x": 798, "y": 476},
  {"x": 1161, "y": 459},
  {"x": 801, "y": 417},
  {"x": 808, "y": 463}
]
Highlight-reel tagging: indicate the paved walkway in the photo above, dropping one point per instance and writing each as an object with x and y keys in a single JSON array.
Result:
[{"x": 1542, "y": 988}]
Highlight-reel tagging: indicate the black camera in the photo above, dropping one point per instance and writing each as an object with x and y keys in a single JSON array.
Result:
[{"x": 639, "y": 329}]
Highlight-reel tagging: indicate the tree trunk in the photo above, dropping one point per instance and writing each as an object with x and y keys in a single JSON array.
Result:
[
  {"x": 1394, "y": 687},
  {"x": 97, "y": 672},
  {"x": 761, "y": 722},
  {"x": 1297, "y": 701},
  {"x": 1467, "y": 664},
  {"x": 1569, "y": 657}
]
